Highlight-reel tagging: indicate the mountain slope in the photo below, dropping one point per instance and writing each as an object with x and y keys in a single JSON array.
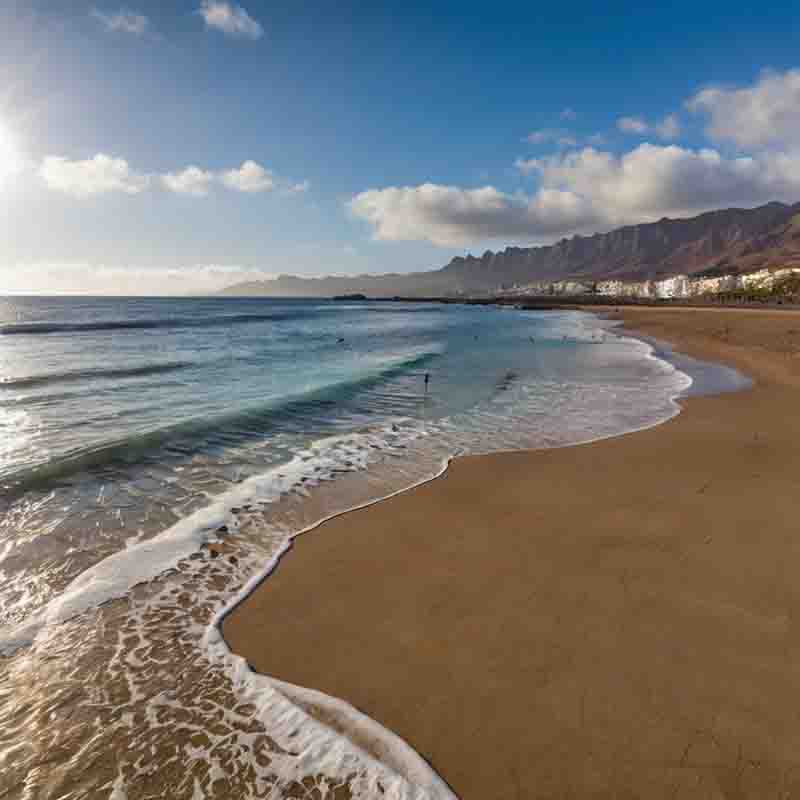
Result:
[{"x": 729, "y": 240}]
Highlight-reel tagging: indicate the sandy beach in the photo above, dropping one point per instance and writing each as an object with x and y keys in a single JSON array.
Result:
[{"x": 612, "y": 620}]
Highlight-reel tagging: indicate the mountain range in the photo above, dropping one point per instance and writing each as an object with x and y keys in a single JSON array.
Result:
[{"x": 732, "y": 240}]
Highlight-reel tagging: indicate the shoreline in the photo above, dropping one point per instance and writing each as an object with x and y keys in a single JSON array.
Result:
[
  {"x": 257, "y": 629},
  {"x": 375, "y": 742}
]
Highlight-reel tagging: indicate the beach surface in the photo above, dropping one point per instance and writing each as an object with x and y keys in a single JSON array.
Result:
[{"x": 619, "y": 619}]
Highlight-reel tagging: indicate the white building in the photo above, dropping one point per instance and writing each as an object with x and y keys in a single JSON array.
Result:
[
  {"x": 572, "y": 288},
  {"x": 715, "y": 285},
  {"x": 676, "y": 286}
]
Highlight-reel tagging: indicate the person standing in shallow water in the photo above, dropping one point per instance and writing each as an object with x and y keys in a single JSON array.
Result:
[{"x": 427, "y": 380}]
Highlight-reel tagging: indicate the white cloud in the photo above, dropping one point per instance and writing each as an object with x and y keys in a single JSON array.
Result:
[
  {"x": 764, "y": 115},
  {"x": 451, "y": 216},
  {"x": 98, "y": 175},
  {"x": 632, "y": 125},
  {"x": 652, "y": 181},
  {"x": 102, "y": 174},
  {"x": 122, "y": 21},
  {"x": 561, "y": 137},
  {"x": 191, "y": 181},
  {"x": 579, "y": 192},
  {"x": 668, "y": 128},
  {"x": 250, "y": 177},
  {"x": 230, "y": 19}
]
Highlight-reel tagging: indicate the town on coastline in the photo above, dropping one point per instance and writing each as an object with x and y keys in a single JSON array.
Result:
[{"x": 764, "y": 284}]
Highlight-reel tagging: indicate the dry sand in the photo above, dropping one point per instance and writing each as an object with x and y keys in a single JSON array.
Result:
[{"x": 613, "y": 620}]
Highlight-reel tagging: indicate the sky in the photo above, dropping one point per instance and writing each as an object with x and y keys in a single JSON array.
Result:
[{"x": 158, "y": 147}]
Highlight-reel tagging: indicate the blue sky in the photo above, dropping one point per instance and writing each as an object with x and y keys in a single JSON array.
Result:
[{"x": 178, "y": 146}]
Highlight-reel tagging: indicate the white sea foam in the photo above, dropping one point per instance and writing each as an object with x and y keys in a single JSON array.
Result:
[
  {"x": 145, "y": 560},
  {"x": 391, "y": 769}
]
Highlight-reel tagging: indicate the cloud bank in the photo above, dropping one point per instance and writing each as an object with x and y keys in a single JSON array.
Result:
[
  {"x": 451, "y": 216},
  {"x": 764, "y": 115},
  {"x": 580, "y": 191},
  {"x": 587, "y": 189}
]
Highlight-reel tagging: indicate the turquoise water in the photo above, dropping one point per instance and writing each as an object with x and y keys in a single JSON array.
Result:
[
  {"x": 120, "y": 417},
  {"x": 99, "y": 382},
  {"x": 133, "y": 432}
]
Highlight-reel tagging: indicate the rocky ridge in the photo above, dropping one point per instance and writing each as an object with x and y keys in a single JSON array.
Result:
[{"x": 725, "y": 242}]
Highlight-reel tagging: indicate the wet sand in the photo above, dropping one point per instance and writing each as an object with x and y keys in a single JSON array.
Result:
[{"x": 613, "y": 620}]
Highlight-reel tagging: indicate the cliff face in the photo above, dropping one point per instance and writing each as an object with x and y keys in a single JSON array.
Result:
[
  {"x": 737, "y": 239},
  {"x": 730, "y": 240}
]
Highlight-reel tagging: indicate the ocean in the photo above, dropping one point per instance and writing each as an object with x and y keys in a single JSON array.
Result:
[{"x": 158, "y": 455}]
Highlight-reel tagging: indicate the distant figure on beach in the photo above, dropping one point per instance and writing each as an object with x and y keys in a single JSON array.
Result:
[{"x": 427, "y": 381}]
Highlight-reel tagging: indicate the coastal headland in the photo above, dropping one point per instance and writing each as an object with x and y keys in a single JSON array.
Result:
[{"x": 613, "y": 620}]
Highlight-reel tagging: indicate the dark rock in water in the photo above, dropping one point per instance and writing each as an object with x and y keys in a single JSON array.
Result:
[
  {"x": 355, "y": 296},
  {"x": 233, "y": 560},
  {"x": 222, "y": 529}
]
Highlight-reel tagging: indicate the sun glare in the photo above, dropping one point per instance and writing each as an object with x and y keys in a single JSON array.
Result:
[{"x": 10, "y": 158}]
